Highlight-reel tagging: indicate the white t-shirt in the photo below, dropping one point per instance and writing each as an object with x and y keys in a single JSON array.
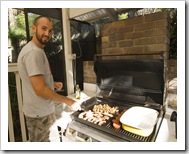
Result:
[{"x": 33, "y": 61}]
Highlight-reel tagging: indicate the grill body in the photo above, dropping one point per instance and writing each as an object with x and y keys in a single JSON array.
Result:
[{"x": 122, "y": 83}]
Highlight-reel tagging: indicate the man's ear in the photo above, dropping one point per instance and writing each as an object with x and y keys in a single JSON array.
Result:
[{"x": 33, "y": 28}]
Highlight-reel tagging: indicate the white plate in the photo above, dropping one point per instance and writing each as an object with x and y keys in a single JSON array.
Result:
[{"x": 139, "y": 117}]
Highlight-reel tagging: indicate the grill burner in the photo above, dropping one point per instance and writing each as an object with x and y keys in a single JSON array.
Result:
[{"x": 122, "y": 83}]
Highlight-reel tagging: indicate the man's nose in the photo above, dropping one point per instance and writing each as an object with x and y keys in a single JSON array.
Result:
[{"x": 47, "y": 33}]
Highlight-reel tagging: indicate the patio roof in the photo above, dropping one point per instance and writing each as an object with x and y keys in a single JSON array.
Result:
[
  {"x": 100, "y": 13},
  {"x": 87, "y": 14}
]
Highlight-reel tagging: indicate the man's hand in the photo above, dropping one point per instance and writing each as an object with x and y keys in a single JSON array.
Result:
[
  {"x": 75, "y": 106},
  {"x": 58, "y": 85}
]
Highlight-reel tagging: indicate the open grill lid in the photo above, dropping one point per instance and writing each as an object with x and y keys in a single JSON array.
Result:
[{"x": 132, "y": 78}]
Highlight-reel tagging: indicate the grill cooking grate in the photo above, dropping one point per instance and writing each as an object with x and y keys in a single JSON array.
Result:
[
  {"x": 109, "y": 129},
  {"x": 129, "y": 136}
]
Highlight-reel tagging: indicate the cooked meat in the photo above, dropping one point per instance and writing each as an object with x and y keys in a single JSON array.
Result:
[
  {"x": 105, "y": 108},
  {"x": 101, "y": 123},
  {"x": 99, "y": 114}
]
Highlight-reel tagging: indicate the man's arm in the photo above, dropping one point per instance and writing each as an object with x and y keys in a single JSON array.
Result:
[{"x": 41, "y": 89}]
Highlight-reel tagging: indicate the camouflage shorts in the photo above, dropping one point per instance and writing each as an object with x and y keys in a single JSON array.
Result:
[{"x": 43, "y": 129}]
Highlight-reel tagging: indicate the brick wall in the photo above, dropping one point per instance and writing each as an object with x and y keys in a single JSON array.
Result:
[
  {"x": 143, "y": 34},
  {"x": 138, "y": 35}
]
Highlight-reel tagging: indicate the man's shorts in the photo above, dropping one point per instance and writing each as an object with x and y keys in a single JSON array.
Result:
[{"x": 43, "y": 129}]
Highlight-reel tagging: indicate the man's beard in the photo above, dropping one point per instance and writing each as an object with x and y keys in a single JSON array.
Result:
[{"x": 40, "y": 39}]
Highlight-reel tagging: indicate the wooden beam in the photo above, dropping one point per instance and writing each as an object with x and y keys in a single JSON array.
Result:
[
  {"x": 68, "y": 51},
  {"x": 10, "y": 122},
  {"x": 75, "y": 12},
  {"x": 20, "y": 104},
  {"x": 112, "y": 14},
  {"x": 12, "y": 67}
]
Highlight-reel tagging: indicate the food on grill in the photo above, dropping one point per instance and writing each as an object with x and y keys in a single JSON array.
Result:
[
  {"x": 116, "y": 122},
  {"x": 101, "y": 123},
  {"x": 106, "y": 117},
  {"x": 105, "y": 108},
  {"x": 116, "y": 125},
  {"x": 99, "y": 114},
  {"x": 140, "y": 117},
  {"x": 96, "y": 118},
  {"x": 108, "y": 114}
]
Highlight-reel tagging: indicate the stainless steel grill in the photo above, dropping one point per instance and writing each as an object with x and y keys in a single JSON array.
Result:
[{"x": 122, "y": 83}]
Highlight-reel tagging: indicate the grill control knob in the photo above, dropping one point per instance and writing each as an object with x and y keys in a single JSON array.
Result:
[
  {"x": 75, "y": 133},
  {"x": 89, "y": 139}
]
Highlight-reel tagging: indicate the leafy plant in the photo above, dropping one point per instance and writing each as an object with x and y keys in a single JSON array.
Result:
[
  {"x": 17, "y": 33},
  {"x": 173, "y": 32},
  {"x": 173, "y": 36}
]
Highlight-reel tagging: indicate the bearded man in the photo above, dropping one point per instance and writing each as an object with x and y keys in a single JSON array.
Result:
[{"x": 38, "y": 85}]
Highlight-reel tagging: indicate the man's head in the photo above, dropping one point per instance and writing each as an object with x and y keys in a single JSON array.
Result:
[{"x": 42, "y": 29}]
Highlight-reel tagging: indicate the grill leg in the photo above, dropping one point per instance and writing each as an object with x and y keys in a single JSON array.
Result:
[
  {"x": 174, "y": 119},
  {"x": 60, "y": 133}
]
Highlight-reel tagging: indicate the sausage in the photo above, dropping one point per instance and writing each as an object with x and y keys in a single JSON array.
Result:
[{"x": 116, "y": 125}]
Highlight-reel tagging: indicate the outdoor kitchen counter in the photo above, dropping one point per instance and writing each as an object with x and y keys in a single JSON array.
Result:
[{"x": 166, "y": 133}]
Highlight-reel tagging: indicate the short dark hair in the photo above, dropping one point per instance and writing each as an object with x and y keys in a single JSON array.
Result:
[{"x": 39, "y": 17}]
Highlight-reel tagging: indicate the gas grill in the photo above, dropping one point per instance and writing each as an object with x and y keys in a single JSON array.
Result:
[{"x": 123, "y": 83}]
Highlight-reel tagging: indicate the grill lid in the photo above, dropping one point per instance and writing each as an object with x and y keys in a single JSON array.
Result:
[{"x": 132, "y": 77}]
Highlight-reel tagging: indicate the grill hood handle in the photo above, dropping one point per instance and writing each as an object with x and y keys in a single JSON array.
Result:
[{"x": 153, "y": 105}]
